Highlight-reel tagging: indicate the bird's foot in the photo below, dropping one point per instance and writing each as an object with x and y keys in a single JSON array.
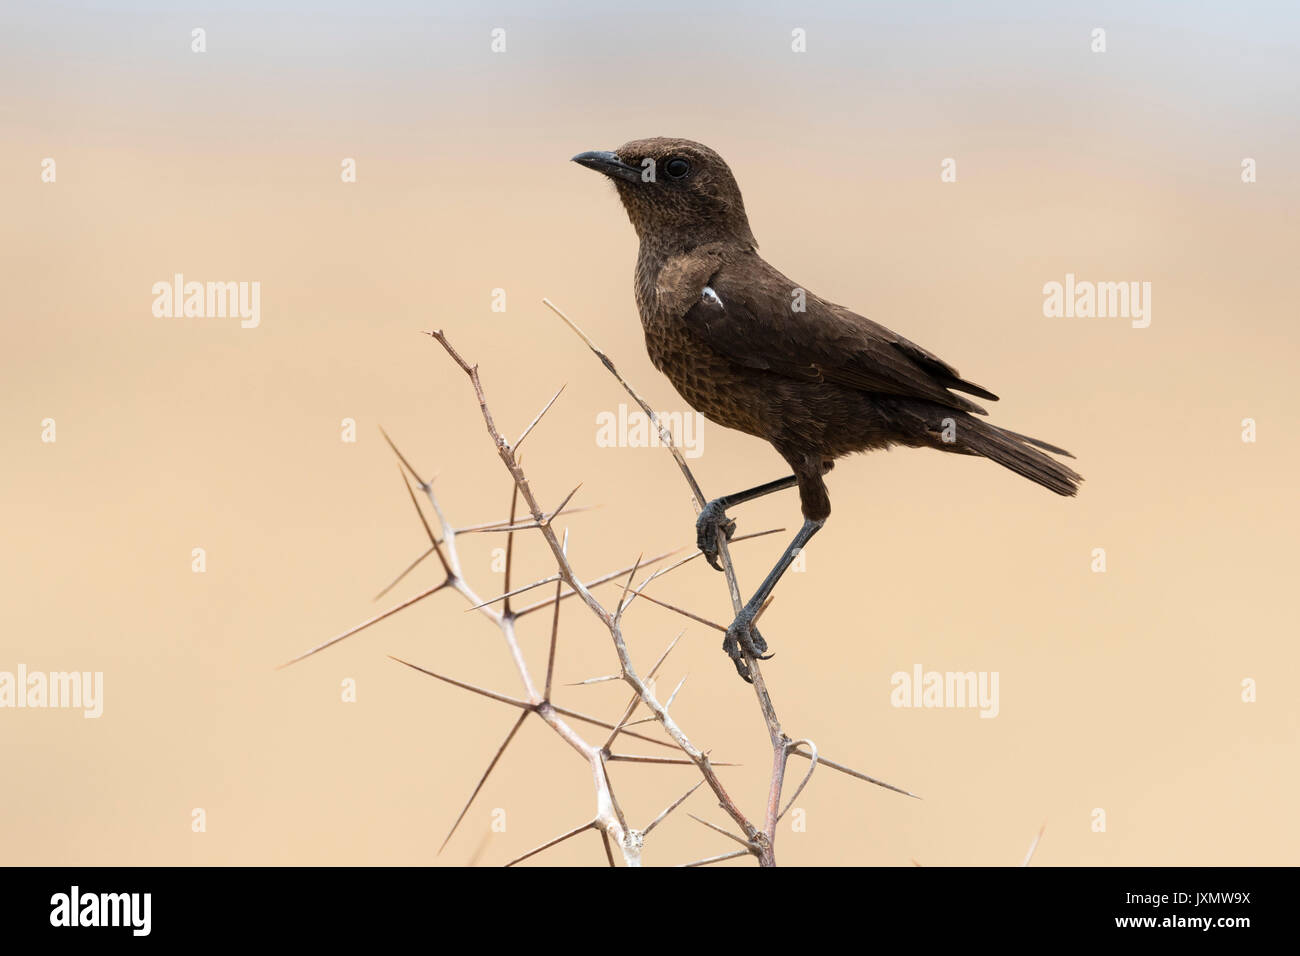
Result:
[
  {"x": 742, "y": 642},
  {"x": 713, "y": 518}
]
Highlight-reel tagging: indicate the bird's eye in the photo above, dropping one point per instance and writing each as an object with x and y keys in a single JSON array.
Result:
[{"x": 677, "y": 167}]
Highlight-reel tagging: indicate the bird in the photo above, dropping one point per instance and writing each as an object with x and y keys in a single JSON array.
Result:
[{"x": 754, "y": 351}]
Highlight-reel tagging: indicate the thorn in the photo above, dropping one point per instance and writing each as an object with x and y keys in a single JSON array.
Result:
[
  {"x": 503, "y": 525},
  {"x": 1034, "y": 846},
  {"x": 693, "y": 617},
  {"x": 565, "y": 712},
  {"x": 509, "y": 594},
  {"x": 402, "y": 458},
  {"x": 627, "y": 584},
  {"x": 433, "y": 540},
  {"x": 478, "y": 690},
  {"x": 365, "y": 624},
  {"x": 406, "y": 482},
  {"x": 673, "y": 695},
  {"x": 556, "y": 513},
  {"x": 853, "y": 773},
  {"x": 671, "y": 807},
  {"x": 664, "y": 656},
  {"x": 683, "y": 761},
  {"x": 409, "y": 568},
  {"x": 812, "y": 765},
  {"x": 718, "y": 859},
  {"x": 478, "y": 850},
  {"x": 520, "y": 440},
  {"x": 514, "y": 527},
  {"x": 727, "y": 833},
  {"x": 483, "y": 779},
  {"x": 595, "y": 680},
  {"x": 550, "y": 843},
  {"x": 642, "y": 720}
]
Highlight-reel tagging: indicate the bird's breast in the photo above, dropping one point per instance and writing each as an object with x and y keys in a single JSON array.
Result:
[{"x": 710, "y": 383}]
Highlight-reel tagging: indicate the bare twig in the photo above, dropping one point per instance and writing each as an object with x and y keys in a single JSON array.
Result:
[
  {"x": 608, "y": 819},
  {"x": 611, "y": 827}
]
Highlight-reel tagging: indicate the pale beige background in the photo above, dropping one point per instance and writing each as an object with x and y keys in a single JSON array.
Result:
[{"x": 1118, "y": 690}]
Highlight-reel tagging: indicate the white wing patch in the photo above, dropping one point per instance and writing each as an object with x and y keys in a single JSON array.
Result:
[{"x": 711, "y": 297}]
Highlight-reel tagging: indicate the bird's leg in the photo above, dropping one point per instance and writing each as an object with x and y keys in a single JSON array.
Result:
[
  {"x": 713, "y": 516},
  {"x": 742, "y": 637}
]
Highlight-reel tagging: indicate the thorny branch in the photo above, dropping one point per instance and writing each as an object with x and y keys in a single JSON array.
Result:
[
  {"x": 609, "y": 819},
  {"x": 782, "y": 745}
]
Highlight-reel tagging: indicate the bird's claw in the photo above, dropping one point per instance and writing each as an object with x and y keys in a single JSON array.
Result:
[
  {"x": 742, "y": 643},
  {"x": 713, "y": 518}
]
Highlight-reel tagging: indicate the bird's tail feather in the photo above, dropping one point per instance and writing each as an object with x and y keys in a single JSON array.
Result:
[
  {"x": 1012, "y": 450},
  {"x": 1037, "y": 443}
]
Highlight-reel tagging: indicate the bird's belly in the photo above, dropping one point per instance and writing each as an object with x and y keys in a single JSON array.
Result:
[{"x": 710, "y": 383}]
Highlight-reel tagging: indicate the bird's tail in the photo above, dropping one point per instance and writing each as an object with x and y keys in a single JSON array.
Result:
[{"x": 1018, "y": 452}]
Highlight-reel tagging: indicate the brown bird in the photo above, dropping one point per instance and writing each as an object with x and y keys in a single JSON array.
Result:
[{"x": 754, "y": 351}]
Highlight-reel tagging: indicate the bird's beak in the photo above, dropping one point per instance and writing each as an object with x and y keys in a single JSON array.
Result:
[{"x": 603, "y": 161}]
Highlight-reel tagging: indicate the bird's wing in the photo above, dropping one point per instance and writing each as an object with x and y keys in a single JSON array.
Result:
[{"x": 751, "y": 318}]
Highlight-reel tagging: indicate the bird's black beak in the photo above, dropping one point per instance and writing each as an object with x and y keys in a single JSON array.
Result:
[{"x": 603, "y": 161}]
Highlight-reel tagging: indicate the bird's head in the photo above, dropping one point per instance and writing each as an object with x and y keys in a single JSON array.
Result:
[{"x": 677, "y": 193}]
